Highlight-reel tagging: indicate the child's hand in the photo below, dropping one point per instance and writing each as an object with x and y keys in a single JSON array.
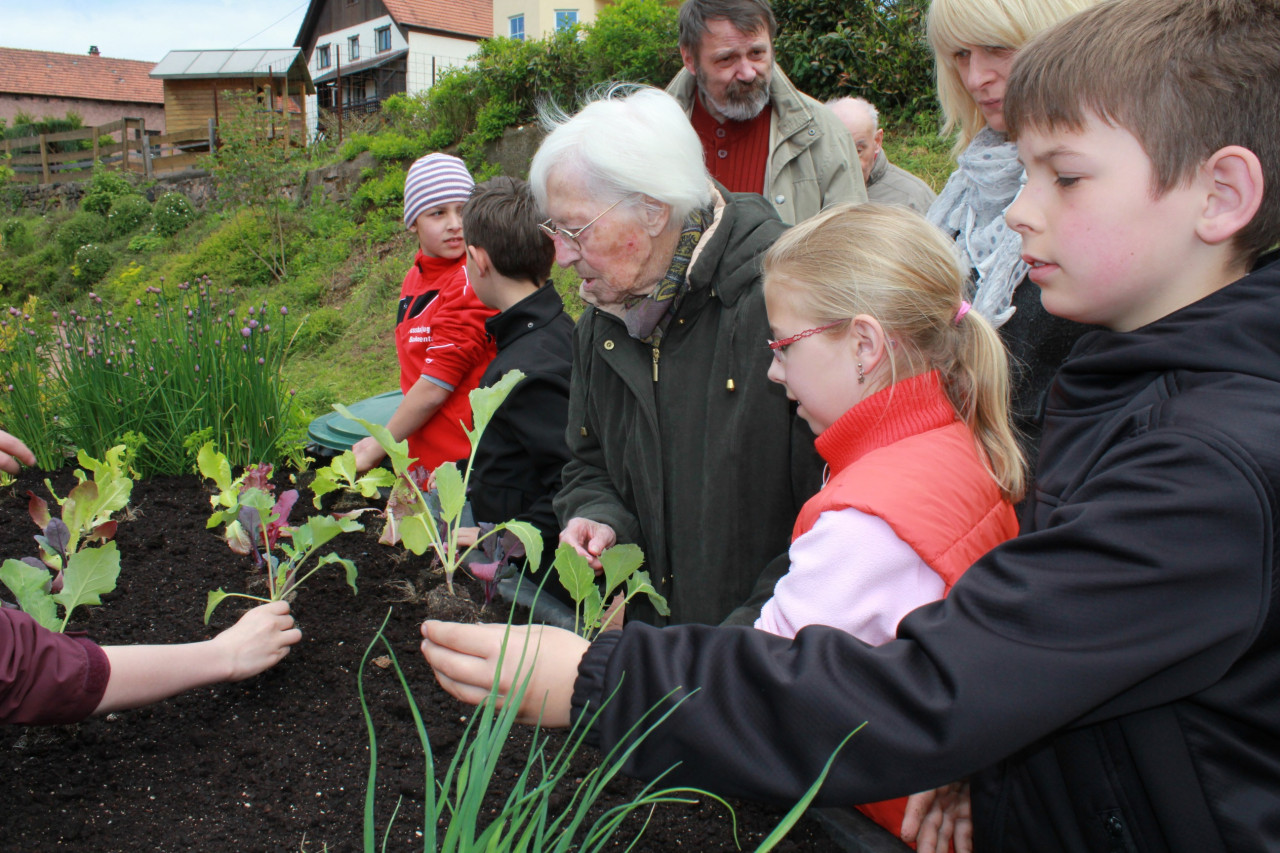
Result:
[
  {"x": 938, "y": 818},
  {"x": 13, "y": 451},
  {"x": 465, "y": 658},
  {"x": 368, "y": 453},
  {"x": 258, "y": 641},
  {"x": 589, "y": 538}
]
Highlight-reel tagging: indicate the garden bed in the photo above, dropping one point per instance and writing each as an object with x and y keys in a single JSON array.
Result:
[{"x": 279, "y": 762}]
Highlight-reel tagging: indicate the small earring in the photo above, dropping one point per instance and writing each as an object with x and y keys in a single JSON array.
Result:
[{"x": 861, "y": 376}]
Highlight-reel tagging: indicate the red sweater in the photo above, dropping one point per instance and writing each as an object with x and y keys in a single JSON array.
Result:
[{"x": 47, "y": 677}]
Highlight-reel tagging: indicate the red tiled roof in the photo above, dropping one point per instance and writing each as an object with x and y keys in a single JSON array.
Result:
[
  {"x": 464, "y": 17},
  {"x": 73, "y": 75}
]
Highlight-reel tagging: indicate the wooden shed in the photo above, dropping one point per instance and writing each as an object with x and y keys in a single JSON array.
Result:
[{"x": 195, "y": 79}]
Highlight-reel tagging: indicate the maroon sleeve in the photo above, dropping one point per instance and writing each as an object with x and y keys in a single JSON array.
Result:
[{"x": 47, "y": 678}]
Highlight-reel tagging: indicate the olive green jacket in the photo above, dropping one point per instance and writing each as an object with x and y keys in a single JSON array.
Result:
[
  {"x": 706, "y": 465},
  {"x": 812, "y": 158}
]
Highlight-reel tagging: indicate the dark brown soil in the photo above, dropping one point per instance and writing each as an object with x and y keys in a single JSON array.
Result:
[{"x": 279, "y": 762}]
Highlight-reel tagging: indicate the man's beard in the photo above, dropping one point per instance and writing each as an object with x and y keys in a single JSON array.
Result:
[{"x": 743, "y": 101}]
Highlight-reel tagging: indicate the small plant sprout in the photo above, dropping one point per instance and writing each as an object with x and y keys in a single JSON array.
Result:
[
  {"x": 341, "y": 474},
  {"x": 430, "y": 522},
  {"x": 257, "y": 523},
  {"x": 621, "y": 567},
  {"x": 78, "y": 562}
]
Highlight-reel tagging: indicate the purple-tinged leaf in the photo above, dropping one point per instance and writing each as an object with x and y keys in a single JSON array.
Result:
[
  {"x": 259, "y": 477},
  {"x": 39, "y": 509},
  {"x": 103, "y": 532},
  {"x": 57, "y": 535}
]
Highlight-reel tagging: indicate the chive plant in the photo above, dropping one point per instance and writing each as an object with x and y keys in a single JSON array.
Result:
[
  {"x": 172, "y": 364},
  {"x": 30, "y": 398}
]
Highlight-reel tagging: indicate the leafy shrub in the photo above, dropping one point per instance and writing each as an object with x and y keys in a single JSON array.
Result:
[
  {"x": 104, "y": 188},
  {"x": 318, "y": 330},
  {"x": 82, "y": 228},
  {"x": 92, "y": 262},
  {"x": 128, "y": 213},
  {"x": 145, "y": 243},
  {"x": 634, "y": 41},
  {"x": 15, "y": 237},
  {"x": 172, "y": 213},
  {"x": 831, "y": 48}
]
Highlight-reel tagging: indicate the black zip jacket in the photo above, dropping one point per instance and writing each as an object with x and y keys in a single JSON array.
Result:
[
  {"x": 1110, "y": 678},
  {"x": 517, "y": 467}
]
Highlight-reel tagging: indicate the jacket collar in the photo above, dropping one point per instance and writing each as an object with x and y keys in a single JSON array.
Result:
[
  {"x": 529, "y": 314},
  {"x": 878, "y": 168},
  {"x": 906, "y": 408}
]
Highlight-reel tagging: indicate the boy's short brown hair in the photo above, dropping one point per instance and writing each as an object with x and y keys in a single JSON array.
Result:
[
  {"x": 502, "y": 218},
  {"x": 1185, "y": 77}
]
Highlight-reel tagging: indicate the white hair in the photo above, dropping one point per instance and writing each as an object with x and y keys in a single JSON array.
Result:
[
  {"x": 838, "y": 105},
  {"x": 627, "y": 140}
]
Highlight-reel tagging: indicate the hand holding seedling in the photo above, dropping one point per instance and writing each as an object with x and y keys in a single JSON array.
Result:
[
  {"x": 465, "y": 659},
  {"x": 13, "y": 451},
  {"x": 589, "y": 538},
  {"x": 141, "y": 675}
]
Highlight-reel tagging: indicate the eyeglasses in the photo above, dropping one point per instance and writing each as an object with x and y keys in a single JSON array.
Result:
[
  {"x": 780, "y": 347},
  {"x": 572, "y": 237}
]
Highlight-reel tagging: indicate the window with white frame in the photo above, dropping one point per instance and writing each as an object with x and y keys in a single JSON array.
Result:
[
  {"x": 566, "y": 18},
  {"x": 353, "y": 48},
  {"x": 382, "y": 39},
  {"x": 517, "y": 27},
  {"x": 324, "y": 57}
]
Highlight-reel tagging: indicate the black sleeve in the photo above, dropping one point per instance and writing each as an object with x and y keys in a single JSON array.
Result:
[{"x": 1143, "y": 589}]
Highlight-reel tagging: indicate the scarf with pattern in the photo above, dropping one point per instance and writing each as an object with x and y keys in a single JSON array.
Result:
[{"x": 647, "y": 316}]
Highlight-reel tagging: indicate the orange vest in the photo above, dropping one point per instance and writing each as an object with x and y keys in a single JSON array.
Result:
[{"x": 903, "y": 456}]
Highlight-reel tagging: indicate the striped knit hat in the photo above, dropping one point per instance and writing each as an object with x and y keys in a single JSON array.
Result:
[{"x": 434, "y": 180}]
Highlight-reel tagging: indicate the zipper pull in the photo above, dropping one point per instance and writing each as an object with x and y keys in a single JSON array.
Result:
[{"x": 655, "y": 364}]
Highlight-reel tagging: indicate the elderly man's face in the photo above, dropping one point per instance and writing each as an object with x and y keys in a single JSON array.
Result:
[
  {"x": 733, "y": 70},
  {"x": 867, "y": 138},
  {"x": 612, "y": 256}
]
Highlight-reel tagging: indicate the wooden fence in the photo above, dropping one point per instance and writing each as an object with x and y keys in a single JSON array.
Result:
[{"x": 123, "y": 144}]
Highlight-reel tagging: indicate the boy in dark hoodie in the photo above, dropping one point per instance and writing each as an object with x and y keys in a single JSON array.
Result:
[{"x": 1109, "y": 679}]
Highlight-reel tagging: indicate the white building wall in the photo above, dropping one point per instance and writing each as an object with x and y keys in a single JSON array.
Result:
[{"x": 430, "y": 54}]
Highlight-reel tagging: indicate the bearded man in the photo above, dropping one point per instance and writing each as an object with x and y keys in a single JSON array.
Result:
[{"x": 759, "y": 133}]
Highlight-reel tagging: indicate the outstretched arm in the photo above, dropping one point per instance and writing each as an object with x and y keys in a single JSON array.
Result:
[{"x": 141, "y": 675}]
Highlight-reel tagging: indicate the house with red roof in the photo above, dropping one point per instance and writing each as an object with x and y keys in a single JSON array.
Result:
[
  {"x": 100, "y": 89},
  {"x": 361, "y": 52}
]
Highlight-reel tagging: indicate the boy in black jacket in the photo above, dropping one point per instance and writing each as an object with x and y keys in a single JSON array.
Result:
[
  {"x": 517, "y": 465},
  {"x": 1110, "y": 679}
]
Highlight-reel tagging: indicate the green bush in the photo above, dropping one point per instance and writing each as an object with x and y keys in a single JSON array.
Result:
[
  {"x": 145, "y": 243},
  {"x": 318, "y": 329},
  {"x": 873, "y": 48},
  {"x": 92, "y": 263},
  {"x": 634, "y": 41},
  {"x": 104, "y": 188},
  {"x": 15, "y": 238},
  {"x": 83, "y": 227},
  {"x": 128, "y": 213},
  {"x": 172, "y": 213}
]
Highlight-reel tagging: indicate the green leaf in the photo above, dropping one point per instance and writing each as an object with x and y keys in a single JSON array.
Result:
[
  {"x": 620, "y": 562},
  {"x": 376, "y": 478},
  {"x": 529, "y": 537},
  {"x": 485, "y": 401},
  {"x": 89, "y": 574},
  {"x": 797, "y": 811},
  {"x": 640, "y": 583},
  {"x": 453, "y": 495},
  {"x": 323, "y": 484},
  {"x": 416, "y": 534},
  {"x": 214, "y": 466},
  {"x": 397, "y": 451},
  {"x": 215, "y": 598},
  {"x": 27, "y": 583},
  {"x": 575, "y": 574},
  {"x": 349, "y": 566}
]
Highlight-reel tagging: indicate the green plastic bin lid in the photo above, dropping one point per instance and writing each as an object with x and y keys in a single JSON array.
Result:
[{"x": 336, "y": 433}]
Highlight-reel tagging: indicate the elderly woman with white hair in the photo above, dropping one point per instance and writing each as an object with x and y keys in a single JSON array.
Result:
[{"x": 678, "y": 440}]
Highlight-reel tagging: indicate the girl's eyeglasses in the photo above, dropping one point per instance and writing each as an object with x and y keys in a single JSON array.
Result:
[{"x": 780, "y": 347}]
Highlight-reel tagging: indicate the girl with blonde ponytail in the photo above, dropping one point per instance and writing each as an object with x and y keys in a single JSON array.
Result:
[{"x": 907, "y": 389}]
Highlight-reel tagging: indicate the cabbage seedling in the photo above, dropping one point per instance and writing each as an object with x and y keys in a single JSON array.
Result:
[
  {"x": 430, "y": 522},
  {"x": 621, "y": 568}
]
